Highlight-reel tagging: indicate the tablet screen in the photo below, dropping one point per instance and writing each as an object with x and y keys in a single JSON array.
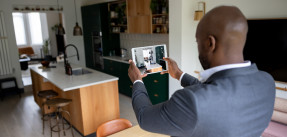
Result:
[{"x": 149, "y": 59}]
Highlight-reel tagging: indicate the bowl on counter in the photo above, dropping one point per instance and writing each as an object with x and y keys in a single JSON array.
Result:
[{"x": 45, "y": 63}]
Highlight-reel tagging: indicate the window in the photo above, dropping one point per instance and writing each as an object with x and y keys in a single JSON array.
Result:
[
  {"x": 30, "y": 28},
  {"x": 19, "y": 27}
]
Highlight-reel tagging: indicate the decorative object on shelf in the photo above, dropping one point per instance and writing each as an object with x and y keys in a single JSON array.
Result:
[
  {"x": 159, "y": 6},
  {"x": 118, "y": 16},
  {"x": 164, "y": 9},
  {"x": 200, "y": 12},
  {"x": 61, "y": 30},
  {"x": 28, "y": 8},
  {"x": 77, "y": 29},
  {"x": 154, "y": 6}
]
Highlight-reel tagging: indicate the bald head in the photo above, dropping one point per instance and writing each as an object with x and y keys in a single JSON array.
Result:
[{"x": 221, "y": 36}]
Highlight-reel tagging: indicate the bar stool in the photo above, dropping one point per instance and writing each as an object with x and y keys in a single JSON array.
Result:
[
  {"x": 46, "y": 94},
  {"x": 59, "y": 103}
]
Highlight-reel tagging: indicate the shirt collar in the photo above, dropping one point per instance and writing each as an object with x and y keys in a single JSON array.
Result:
[{"x": 207, "y": 73}]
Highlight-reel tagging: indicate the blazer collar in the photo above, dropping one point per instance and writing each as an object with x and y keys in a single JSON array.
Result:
[{"x": 233, "y": 72}]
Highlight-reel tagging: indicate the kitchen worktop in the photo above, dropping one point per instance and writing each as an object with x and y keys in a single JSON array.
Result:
[
  {"x": 66, "y": 82},
  {"x": 118, "y": 58}
]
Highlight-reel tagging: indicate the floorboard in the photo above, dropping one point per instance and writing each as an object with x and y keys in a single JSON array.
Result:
[{"x": 21, "y": 117}]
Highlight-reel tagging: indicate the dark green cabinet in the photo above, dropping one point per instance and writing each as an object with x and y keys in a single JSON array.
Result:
[
  {"x": 156, "y": 84},
  {"x": 125, "y": 83},
  {"x": 95, "y": 19},
  {"x": 157, "y": 87}
]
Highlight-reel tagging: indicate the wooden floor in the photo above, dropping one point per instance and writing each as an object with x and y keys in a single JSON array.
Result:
[{"x": 21, "y": 117}]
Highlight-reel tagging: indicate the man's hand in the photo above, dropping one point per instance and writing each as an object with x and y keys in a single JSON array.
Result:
[
  {"x": 173, "y": 69},
  {"x": 134, "y": 72}
]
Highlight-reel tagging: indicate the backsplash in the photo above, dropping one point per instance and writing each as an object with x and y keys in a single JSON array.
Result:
[{"x": 129, "y": 41}]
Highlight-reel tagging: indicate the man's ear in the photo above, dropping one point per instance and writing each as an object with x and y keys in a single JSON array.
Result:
[{"x": 212, "y": 41}]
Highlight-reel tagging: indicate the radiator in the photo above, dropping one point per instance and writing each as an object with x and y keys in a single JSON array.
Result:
[{"x": 5, "y": 62}]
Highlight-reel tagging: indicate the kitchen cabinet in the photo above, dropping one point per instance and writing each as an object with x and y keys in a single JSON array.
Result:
[
  {"x": 156, "y": 84},
  {"x": 112, "y": 67},
  {"x": 140, "y": 24},
  {"x": 118, "y": 17},
  {"x": 136, "y": 16},
  {"x": 95, "y": 99},
  {"x": 138, "y": 7},
  {"x": 125, "y": 83},
  {"x": 95, "y": 19},
  {"x": 139, "y": 16},
  {"x": 157, "y": 87}
]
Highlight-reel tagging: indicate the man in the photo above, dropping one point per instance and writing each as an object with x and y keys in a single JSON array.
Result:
[{"x": 233, "y": 98}]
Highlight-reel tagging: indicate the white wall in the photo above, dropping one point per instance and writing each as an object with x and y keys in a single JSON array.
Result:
[
  {"x": 183, "y": 46},
  {"x": 175, "y": 38},
  {"x": 69, "y": 16}
]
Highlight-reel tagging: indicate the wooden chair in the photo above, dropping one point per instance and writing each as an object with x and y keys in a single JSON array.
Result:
[{"x": 112, "y": 127}]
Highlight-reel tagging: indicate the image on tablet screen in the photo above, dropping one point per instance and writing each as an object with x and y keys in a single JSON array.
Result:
[{"x": 149, "y": 59}]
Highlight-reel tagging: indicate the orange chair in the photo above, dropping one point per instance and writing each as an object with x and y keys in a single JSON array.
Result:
[
  {"x": 112, "y": 127},
  {"x": 26, "y": 50}
]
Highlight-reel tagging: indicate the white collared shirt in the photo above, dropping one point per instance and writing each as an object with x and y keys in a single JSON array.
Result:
[{"x": 207, "y": 73}]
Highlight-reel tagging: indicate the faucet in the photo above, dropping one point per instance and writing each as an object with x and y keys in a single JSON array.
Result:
[{"x": 65, "y": 55}]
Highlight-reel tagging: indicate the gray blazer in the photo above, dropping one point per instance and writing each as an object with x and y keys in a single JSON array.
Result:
[{"x": 231, "y": 103}]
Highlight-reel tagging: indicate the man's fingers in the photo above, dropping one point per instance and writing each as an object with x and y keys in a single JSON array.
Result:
[
  {"x": 144, "y": 75},
  {"x": 163, "y": 72},
  {"x": 132, "y": 63},
  {"x": 166, "y": 59}
]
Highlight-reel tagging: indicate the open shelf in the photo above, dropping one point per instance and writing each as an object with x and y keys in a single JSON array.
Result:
[
  {"x": 119, "y": 25},
  {"x": 159, "y": 24},
  {"x": 154, "y": 15}
]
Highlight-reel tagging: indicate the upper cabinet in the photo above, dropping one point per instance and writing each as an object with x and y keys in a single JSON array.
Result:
[
  {"x": 139, "y": 8},
  {"x": 139, "y": 16},
  {"x": 118, "y": 17}
]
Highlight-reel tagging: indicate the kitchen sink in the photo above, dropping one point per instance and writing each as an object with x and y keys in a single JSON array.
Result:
[{"x": 80, "y": 71}]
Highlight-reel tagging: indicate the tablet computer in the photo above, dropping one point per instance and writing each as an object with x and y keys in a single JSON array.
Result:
[{"x": 149, "y": 59}]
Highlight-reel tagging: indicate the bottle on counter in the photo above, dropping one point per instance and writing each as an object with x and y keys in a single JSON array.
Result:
[{"x": 68, "y": 69}]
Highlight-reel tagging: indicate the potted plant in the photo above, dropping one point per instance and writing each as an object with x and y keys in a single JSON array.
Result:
[
  {"x": 45, "y": 49},
  {"x": 164, "y": 6},
  {"x": 154, "y": 6}
]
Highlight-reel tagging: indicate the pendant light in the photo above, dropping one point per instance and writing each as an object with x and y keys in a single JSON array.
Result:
[
  {"x": 61, "y": 30},
  {"x": 77, "y": 28}
]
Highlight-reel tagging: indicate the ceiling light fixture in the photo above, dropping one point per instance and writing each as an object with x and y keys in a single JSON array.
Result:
[{"x": 77, "y": 29}]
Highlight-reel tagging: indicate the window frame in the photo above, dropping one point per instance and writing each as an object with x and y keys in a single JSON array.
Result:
[{"x": 27, "y": 29}]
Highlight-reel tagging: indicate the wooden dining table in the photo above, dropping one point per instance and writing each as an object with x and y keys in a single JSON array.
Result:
[{"x": 136, "y": 131}]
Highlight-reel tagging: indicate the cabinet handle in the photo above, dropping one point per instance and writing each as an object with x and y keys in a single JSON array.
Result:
[
  {"x": 131, "y": 86},
  {"x": 155, "y": 81},
  {"x": 156, "y": 95}
]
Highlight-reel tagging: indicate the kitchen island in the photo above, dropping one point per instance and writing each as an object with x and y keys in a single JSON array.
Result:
[{"x": 95, "y": 94}]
